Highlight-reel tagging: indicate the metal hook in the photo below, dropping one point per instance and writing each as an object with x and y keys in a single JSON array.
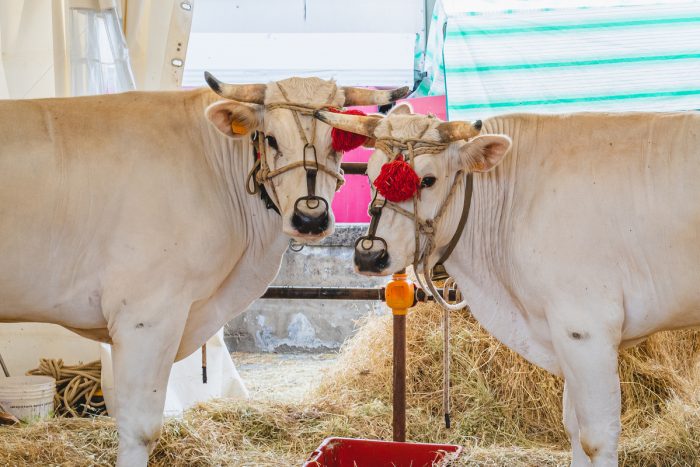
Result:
[
  {"x": 311, "y": 202},
  {"x": 296, "y": 246},
  {"x": 309, "y": 146},
  {"x": 362, "y": 242},
  {"x": 375, "y": 212}
]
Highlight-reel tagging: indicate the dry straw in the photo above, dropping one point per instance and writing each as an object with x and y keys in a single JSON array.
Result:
[{"x": 505, "y": 411}]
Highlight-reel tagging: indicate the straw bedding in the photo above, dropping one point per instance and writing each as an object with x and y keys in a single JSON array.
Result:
[{"x": 505, "y": 411}]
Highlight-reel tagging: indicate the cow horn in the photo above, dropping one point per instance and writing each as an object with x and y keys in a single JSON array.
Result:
[
  {"x": 364, "y": 96},
  {"x": 251, "y": 93},
  {"x": 359, "y": 124},
  {"x": 455, "y": 131}
]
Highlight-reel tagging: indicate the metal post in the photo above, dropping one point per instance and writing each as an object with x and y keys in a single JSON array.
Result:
[
  {"x": 204, "y": 363},
  {"x": 400, "y": 295},
  {"x": 342, "y": 293},
  {"x": 354, "y": 168},
  {"x": 4, "y": 368},
  {"x": 399, "y": 406}
]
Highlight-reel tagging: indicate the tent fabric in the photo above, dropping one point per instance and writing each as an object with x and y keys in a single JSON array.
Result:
[
  {"x": 26, "y": 49},
  {"x": 185, "y": 385},
  {"x": 99, "y": 57},
  {"x": 545, "y": 56},
  {"x": 157, "y": 34}
]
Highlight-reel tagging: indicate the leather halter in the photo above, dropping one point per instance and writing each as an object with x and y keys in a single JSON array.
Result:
[
  {"x": 261, "y": 172},
  {"x": 439, "y": 272},
  {"x": 425, "y": 228}
]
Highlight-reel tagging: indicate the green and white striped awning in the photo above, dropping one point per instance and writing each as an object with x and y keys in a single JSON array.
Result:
[{"x": 504, "y": 56}]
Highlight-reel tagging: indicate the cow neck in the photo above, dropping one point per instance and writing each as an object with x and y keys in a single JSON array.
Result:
[{"x": 228, "y": 159}]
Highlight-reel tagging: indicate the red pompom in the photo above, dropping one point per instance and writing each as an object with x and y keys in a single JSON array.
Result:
[
  {"x": 397, "y": 181},
  {"x": 342, "y": 140}
]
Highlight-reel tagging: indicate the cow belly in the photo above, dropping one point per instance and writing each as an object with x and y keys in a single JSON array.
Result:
[
  {"x": 42, "y": 280},
  {"x": 71, "y": 307},
  {"x": 99, "y": 334},
  {"x": 665, "y": 304}
]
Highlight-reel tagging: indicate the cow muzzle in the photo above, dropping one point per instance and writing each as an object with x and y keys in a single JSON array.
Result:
[
  {"x": 311, "y": 217},
  {"x": 371, "y": 255}
]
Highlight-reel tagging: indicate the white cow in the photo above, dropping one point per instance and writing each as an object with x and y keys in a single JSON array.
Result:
[
  {"x": 125, "y": 218},
  {"x": 584, "y": 240}
]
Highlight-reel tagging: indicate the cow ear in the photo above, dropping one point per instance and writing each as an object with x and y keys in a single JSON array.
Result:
[
  {"x": 234, "y": 119},
  {"x": 483, "y": 153},
  {"x": 403, "y": 108}
]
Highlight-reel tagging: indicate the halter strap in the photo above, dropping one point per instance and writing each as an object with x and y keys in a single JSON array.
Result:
[
  {"x": 439, "y": 272},
  {"x": 426, "y": 227},
  {"x": 261, "y": 171}
]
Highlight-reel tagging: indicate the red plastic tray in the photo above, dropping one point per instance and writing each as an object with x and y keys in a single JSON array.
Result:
[{"x": 351, "y": 452}]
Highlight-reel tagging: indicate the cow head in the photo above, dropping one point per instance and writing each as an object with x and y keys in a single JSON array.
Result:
[
  {"x": 299, "y": 168},
  {"x": 454, "y": 149}
]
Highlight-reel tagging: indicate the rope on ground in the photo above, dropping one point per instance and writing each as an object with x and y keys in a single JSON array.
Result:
[{"x": 78, "y": 388}]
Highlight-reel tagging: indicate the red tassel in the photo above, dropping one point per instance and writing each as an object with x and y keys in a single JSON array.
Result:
[
  {"x": 397, "y": 181},
  {"x": 342, "y": 140}
]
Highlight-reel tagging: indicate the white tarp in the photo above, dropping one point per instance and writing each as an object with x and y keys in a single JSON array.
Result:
[
  {"x": 547, "y": 56},
  {"x": 185, "y": 386}
]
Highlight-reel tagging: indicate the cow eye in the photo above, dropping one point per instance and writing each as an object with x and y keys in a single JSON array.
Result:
[
  {"x": 427, "y": 182},
  {"x": 272, "y": 142}
]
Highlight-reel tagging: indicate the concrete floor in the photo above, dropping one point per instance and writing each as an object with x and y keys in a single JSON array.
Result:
[{"x": 281, "y": 377}]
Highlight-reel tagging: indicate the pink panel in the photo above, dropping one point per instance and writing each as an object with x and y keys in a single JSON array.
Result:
[{"x": 350, "y": 203}]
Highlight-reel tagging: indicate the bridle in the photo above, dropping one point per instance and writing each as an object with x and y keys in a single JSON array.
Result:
[
  {"x": 261, "y": 171},
  {"x": 412, "y": 148}
]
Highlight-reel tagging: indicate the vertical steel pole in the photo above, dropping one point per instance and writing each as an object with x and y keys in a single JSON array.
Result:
[
  {"x": 4, "y": 368},
  {"x": 204, "y": 363},
  {"x": 400, "y": 295},
  {"x": 399, "y": 407}
]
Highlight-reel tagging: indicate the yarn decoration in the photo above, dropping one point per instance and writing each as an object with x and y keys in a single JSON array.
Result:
[
  {"x": 397, "y": 181},
  {"x": 342, "y": 140}
]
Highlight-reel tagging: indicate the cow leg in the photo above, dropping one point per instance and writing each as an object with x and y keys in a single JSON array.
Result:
[
  {"x": 588, "y": 357},
  {"x": 579, "y": 458},
  {"x": 145, "y": 340}
]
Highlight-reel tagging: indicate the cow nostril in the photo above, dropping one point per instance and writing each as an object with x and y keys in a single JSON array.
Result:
[
  {"x": 371, "y": 261},
  {"x": 313, "y": 225}
]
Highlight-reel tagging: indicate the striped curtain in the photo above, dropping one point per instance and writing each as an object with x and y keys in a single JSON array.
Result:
[{"x": 504, "y": 56}]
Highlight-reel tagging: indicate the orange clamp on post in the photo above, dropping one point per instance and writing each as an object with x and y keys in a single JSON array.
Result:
[{"x": 399, "y": 294}]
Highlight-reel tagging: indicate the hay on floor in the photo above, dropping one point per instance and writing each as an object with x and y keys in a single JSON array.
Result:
[{"x": 505, "y": 411}]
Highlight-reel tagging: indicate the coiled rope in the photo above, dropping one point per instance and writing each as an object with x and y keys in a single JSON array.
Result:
[{"x": 78, "y": 387}]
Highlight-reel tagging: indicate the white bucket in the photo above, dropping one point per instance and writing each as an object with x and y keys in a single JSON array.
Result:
[{"x": 28, "y": 398}]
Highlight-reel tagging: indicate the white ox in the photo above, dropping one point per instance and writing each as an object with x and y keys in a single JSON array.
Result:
[
  {"x": 584, "y": 240},
  {"x": 125, "y": 218}
]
